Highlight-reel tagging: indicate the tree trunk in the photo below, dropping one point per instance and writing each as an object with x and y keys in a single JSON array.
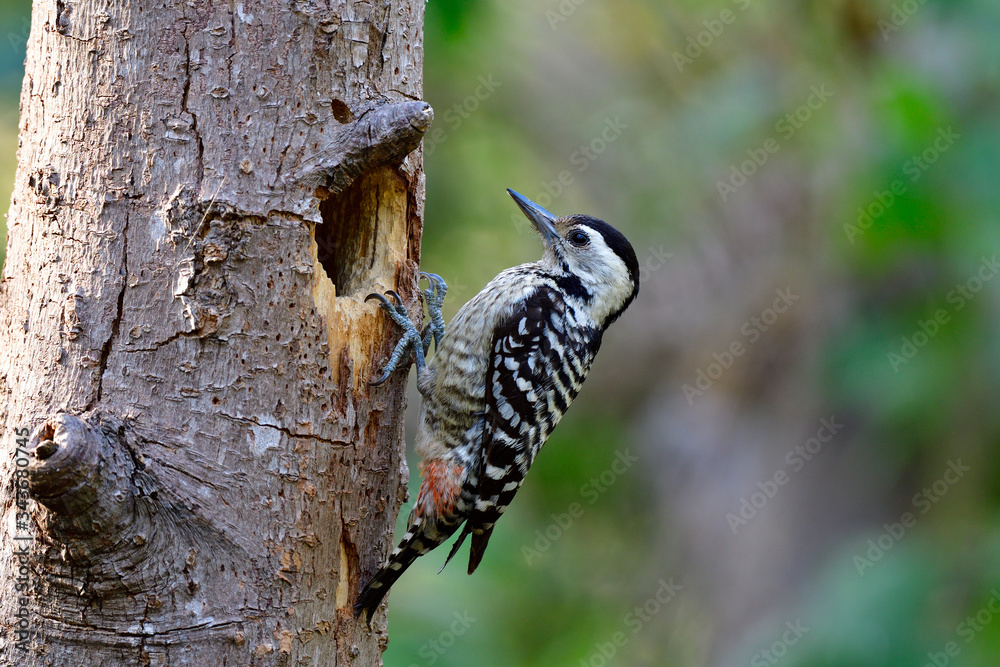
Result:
[{"x": 195, "y": 470}]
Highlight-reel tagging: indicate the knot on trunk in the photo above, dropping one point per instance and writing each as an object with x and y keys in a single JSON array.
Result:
[
  {"x": 82, "y": 477},
  {"x": 383, "y": 136},
  {"x": 110, "y": 528}
]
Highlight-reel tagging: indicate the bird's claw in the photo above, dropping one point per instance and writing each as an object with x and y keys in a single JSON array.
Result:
[
  {"x": 411, "y": 337},
  {"x": 433, "y": 299},
  {"x": 437, "y": 287},
  {"x": 385, "y": 302},
  {"x": 418, "y": 341}
]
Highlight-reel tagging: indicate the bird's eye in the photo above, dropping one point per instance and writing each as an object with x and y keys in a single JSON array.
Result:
[{"x": 579, "y": 238}]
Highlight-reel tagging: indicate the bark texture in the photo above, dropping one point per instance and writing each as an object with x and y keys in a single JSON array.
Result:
[{"x": 205, "y": 193}]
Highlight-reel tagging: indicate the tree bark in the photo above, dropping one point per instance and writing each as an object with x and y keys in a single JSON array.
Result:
[{"x": 195, "y": 470}]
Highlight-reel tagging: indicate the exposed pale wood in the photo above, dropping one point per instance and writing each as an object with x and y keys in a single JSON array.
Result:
[{"x": 205, "y": 193}]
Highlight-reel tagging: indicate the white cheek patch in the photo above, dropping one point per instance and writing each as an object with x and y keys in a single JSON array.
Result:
[{"x": 603, "y": 274}]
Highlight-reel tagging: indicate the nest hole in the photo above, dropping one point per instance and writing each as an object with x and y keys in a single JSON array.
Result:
[{"x": 346, "y": 238}]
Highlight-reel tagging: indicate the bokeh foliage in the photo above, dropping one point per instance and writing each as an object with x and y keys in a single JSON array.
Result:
[
  {"x": 14, "y": 26},
  {"x": 523, "y": 92}
]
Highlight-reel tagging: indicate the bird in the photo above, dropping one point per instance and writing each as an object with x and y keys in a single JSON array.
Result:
[{"x": 504, "y": 373}]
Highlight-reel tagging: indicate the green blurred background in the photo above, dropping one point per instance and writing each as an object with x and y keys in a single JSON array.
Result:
[{"x": 787, "y": 449}]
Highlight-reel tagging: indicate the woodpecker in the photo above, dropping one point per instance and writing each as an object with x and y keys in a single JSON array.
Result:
[{"x": 513, "y": 359}]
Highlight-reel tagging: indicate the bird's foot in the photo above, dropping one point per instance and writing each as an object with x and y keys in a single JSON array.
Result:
[
  {"x": 433, "y": 300},
  {"x": 411, "y": 337}
]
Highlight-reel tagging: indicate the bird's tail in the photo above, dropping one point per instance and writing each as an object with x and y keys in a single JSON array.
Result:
[
  {"x": 420, "y": 537},
  {"x": 480, "y": 538},
  {"x": 437, "y": 514}
]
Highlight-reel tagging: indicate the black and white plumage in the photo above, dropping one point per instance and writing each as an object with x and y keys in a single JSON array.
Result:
[{"x": 510, "y": 365}]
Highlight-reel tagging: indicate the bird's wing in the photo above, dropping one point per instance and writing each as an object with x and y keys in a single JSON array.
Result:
[{"x": 539, "y": 358}]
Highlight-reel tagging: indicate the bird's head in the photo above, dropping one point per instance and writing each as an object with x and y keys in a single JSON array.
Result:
[{"x": 595, "y": 260}]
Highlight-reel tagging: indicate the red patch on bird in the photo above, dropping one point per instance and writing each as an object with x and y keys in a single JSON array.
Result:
[{"x": 440, "y": 489}]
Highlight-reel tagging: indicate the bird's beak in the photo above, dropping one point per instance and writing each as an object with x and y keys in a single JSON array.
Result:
[{"x": 543, "y": 221}]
